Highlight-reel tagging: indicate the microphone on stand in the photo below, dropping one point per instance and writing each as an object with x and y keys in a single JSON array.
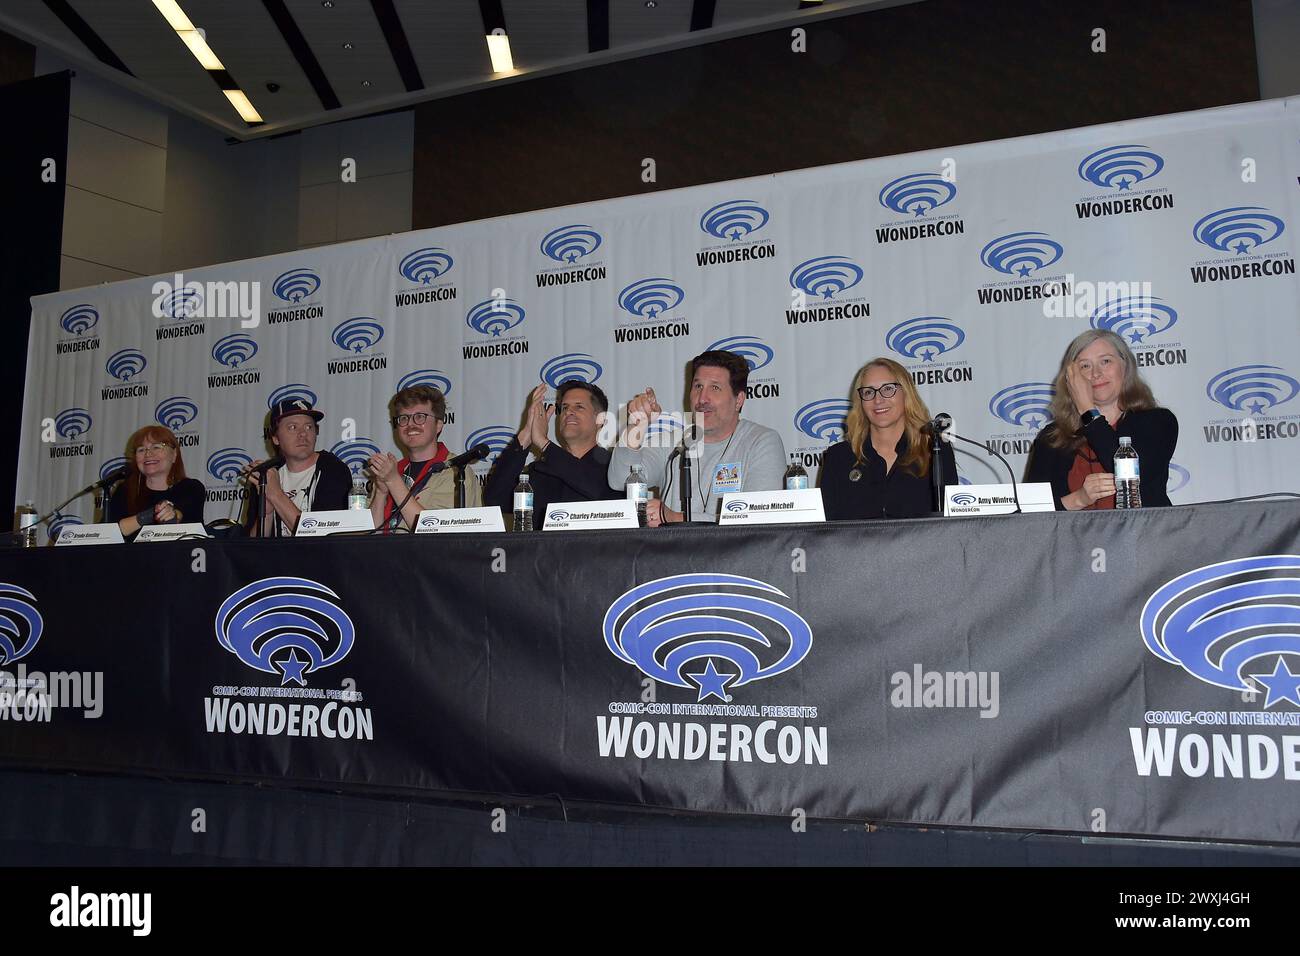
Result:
[
  {"x": 941, "y": 425},
  {"x": 936, "y": 427},
  {"x": 683, "y": 450},
  {"x": 102, "y": 487}
]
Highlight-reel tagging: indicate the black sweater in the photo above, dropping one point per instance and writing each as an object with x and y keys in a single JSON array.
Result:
[
  {"x": 1154, "y": 433},
  {"x": 555, "y": 476},
  {"x": 188, "y": 495},
  {"x": 898, "y": 494}
]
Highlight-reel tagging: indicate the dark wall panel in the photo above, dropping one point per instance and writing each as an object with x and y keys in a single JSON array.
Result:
[
  {"x": 34, "y": 116},
  {"x": 919, "y": 76}
]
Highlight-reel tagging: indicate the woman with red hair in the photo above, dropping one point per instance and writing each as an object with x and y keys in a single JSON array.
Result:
[{"x": 155, "y": 490}]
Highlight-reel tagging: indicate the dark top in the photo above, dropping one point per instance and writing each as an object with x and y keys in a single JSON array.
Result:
[
  {"x": 188, "y": 495},
  {"x": 555, "y": 476},
  {"x": 899, "y": 494},
  {"x": 333, "y": 482},
  {"x": 1154, "y": 433}
]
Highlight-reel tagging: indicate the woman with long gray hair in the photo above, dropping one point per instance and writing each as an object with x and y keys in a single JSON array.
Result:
[{"x": 1099, "y": 399}]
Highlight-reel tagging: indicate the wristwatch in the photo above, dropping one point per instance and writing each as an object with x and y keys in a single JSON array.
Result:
[{"x": 1090, "y": 416}]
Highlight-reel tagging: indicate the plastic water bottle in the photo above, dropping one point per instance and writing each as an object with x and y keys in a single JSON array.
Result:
[
  {"x": 1127, "y": 487},
  {"x": 25, "y": 524},
  {"x": 796, "y": 479},
  {"x": 358, "y": 500},
  {"x": 523, "y": 504},
  {"x": 637, "y": 490}
]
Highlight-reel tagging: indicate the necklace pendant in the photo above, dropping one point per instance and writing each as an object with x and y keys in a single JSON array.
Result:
[{"x": 855, "y": 475}]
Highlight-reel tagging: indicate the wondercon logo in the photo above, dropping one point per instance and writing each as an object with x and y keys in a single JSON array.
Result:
[
  {"x": 570, "y": 243},
  {"x": 234, "y": 350},
  {"x": 752, "y": 349},
  {"x": 21, "y": 624},
  {"x": 1120, "y": 167},
  {"x": 59, "y": 523},
  {"x": 559, "y": 516},
  {"x": 964, "y": 498},
  {"x": 125, "y": 364},
  {"x": 649, "y": 297},
  {"x": 430, "y": 521},
  {"x": 179, "y": 303},
  {"x": 1216, "y": 620},
  {"x": 1238, "y": 229},
  {"x": 1178, "y": 478},
  {"x": 176, "y": 412},
  {"x": 1136, "y": 317},
  {"x": 1020, "y": 253},
  {"x": 826, "y": 276},
  {"x": 425, "y": 265},
  {"x": 110, "y": 466},
  {"x": 357, "y": 335},
  {"x": 79, "y": 319},
  {"x": 426, "y": 376},
  {"x": 1256, "y": 388},
  {"x": 823, "y": 420},
  {"x": 268, "y": 623},
  {"x": 496, "y": 437},
  {"x": 495, "y": 316},
  {"x": 295, "y": 285},
  {"x": 72, "y": 423},
  {"x": 1027, "y": 405},
  {"x": 355, "y": 453},
  {"x": 668, "y": 423},
  {"x": 737, "y": 505},
  {"x": 676, "y": 630},
  {"x": 227, "y": 464},
  {"x": 925, "y": 338},
  {"x": 734, "y": 219},
  {"x": 290, "y": 393},
  {"x": 575, "y": 365},
  {"x": 917, "y": 194}
]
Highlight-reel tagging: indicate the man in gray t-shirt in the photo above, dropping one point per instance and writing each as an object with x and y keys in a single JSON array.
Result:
[{"x": 733, "y": 455}]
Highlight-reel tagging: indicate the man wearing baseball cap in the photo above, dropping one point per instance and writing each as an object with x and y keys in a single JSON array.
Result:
[{"x": 306, "y": 479}]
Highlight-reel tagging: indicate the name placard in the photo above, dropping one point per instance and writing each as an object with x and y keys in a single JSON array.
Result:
[
  {"x": 586, "y": 515},
  {"x": 78, "y": 534},
  {"x": 317, "y": 524},
  {"x": 962, "y": 501},
  {"x": 172, "y": 532},
  {"x": 772, "y": 507},
  {"x": 459, "y": 520}
]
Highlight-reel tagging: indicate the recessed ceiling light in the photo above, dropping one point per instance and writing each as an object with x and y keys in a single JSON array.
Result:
[
  {"x": 327, "y": 3},
  {"x": 651, "y": 4},
  {"x": 242, "y": 106},
  {"x": 365, "y": 82},
  {"x": 347, "y": 46},
  {"x": 499, "y": 51}
]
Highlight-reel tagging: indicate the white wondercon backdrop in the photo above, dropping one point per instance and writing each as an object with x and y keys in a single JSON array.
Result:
[{"x": 1226, "y": 349}]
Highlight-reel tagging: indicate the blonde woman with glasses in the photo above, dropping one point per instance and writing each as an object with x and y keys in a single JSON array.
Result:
[{"x": 882, "y": 468}]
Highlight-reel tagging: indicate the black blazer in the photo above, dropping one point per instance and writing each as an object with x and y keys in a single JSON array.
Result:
[
  {"x": 1154, "y": 433},
  {"x": 899, "y": 494},
  {"x": 556, "y": 476}
]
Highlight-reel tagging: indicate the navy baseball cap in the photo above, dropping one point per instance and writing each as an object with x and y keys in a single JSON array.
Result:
[{"x": 293, "y": 406}]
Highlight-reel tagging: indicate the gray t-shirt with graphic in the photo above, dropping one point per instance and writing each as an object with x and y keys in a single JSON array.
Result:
[{"x": 753, "y": 459}]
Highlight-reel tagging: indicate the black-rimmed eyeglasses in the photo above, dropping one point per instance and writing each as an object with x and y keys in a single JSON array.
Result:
[
  {"x": 888, "y": 390},
  {"x": 418, "y": 418}
]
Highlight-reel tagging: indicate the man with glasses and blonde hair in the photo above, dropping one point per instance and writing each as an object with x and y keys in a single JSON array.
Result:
[
  {"x": 882, "y": 468},
  {"x": 420, "y": 479}
]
